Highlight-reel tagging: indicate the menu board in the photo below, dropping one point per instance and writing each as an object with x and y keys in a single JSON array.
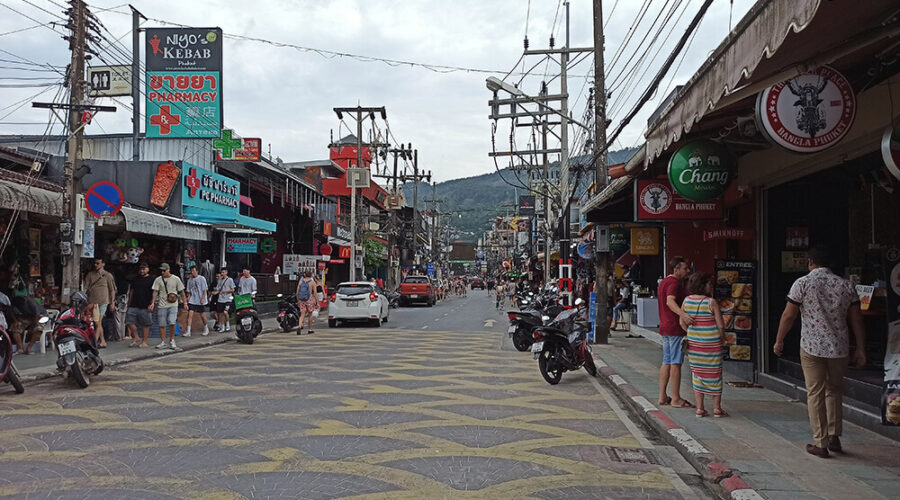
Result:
[
  {"x": 890, "y": 401},
  {"x": 735, "y": 281}
]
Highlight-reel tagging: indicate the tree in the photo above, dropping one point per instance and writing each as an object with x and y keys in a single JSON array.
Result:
[{"x": 374, "y": 254}]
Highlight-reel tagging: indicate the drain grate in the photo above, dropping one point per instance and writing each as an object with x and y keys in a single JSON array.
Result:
[{"x": 630, "y": 456}]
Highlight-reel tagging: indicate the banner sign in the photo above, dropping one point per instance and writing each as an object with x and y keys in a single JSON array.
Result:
[
  {"x": 235, "y": 244},
  {"x": 645, "y": 241},
  {"x": 207, "y": 190},
  {"x": 657, "y": 201},
  {"x": 734, "y": 290},
  {"x": 109, "y": 81},
  {"x": 184, "y": 82},
  {"x": 233, "y": 148},
  {"x": 526, "y": 205},
  {"x": 295, "y": 263}
]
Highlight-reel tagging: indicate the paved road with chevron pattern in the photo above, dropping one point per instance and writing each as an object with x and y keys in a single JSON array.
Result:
[{"x": 434, "y": 404}]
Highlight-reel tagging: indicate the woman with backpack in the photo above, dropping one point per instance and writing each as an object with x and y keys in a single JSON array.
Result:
[{"x": 307, "y": 300}]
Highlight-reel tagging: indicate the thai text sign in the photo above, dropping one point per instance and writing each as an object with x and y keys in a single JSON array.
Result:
[
  {"x": 184, "y": 82},
  {"x": 207, "y": 190},
  {"x": 234, "y": 244},
  {"x": 657, "y": 201}
]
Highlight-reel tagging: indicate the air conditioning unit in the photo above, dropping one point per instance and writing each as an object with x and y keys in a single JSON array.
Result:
[{"x": 393, "y": 201}]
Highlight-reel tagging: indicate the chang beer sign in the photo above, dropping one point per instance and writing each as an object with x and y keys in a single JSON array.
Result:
[{"x": 702, "y": 170}]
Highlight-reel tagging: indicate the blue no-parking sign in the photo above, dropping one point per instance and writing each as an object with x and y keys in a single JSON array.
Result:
[
  {"x": 430, "y": 269},
  {"x": 103, "y": 199}
]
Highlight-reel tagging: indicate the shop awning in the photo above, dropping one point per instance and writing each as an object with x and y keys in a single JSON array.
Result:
[
  {"x": 141, "y": 221},
  {"x": 231, "y": 223},
  {"x": 775, "y": 41},
  {"x": 30, "y": 199}
]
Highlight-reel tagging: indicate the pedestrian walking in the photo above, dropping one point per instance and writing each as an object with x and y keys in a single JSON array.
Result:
[
  {"x": 826, "y": 303},
  {"x": 224, "y": 293},
  {"x": 307, "y": 300},
  {"x": 705, "y": 342},
  {"x": 167, "y": 290},
  {"x": 247, "y": 284},
  {"x": 670, "y": 296},
  {"x": 100, "y": 287},
  {"x": 138, "y": 315},
  {"x": 197, "y": 289}
]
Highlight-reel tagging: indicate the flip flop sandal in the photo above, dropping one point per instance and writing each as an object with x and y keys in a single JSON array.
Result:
[
  {"x": 134, "y": 344},
  {"x": 720, "y": 413},
  {"x": 701, "y": 413},
  {"x": 664, "y": 403},
  {"x": 684, "y": 404}
]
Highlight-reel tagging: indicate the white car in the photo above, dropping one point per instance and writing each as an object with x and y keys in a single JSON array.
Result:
[{"x": 358, "y": 301}]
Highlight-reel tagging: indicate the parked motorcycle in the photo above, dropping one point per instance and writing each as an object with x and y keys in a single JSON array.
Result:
[
  {"x": 8, "y": 373},
  {"x": 248, "y": 325},
  {"x": 393, "y": 299},
  {"x": 288, "y": 312},
  {"x": 74, "y": 338},
  {"x": 561, "y": 345},
  {"x": 532, "y": 309}
]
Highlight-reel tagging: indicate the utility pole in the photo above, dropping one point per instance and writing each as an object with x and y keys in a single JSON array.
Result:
[
  {"x": 415, "y": 243},
  {"x": 359, "y": 111},
  {"x": 135, "y": 83},
  {"x": 601, "y": 177},
  {"x": 78, "y": 18},
  {"x": 564, "y": 249}
]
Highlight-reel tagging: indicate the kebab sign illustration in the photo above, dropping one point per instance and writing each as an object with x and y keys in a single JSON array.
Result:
[
  {"x": 184, "y": 82},
  {"x": 808, "y": 113}
]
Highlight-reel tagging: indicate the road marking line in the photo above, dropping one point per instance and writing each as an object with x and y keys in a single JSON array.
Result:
[
  {"x": 678, "y": 483},
  {"x": 425, "y": 327},
  {"x": 746, "y": 495}
]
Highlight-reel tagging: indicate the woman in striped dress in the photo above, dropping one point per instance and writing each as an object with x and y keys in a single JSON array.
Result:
[{"x": 705, "y": 341}]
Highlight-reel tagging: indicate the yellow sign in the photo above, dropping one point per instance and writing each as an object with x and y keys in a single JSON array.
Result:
[{"x": 645, "y": 241}]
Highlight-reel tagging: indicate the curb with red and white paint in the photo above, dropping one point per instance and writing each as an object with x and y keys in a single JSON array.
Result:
[{"x": 709, "y": 466}]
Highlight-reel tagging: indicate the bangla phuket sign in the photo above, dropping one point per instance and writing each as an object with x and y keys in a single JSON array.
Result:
[
  {"x": 656, "y": 200},
  {"x": 702, "y": 170},
  {"x": 808, "y": 113}
]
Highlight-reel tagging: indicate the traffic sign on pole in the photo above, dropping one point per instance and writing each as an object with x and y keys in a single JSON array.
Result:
[{"x": 103, "y": 199}]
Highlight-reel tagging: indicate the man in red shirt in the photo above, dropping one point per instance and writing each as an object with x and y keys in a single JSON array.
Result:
[{"x": 670, "y": 295}]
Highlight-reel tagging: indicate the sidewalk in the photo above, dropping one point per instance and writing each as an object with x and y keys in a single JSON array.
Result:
[
  {"x": 761, "y": 445},
  {"x": 39, "y": 366}
]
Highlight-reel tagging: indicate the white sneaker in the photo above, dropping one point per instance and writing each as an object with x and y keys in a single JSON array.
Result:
[
  {"x": 172, "y": 344},
  {"x": 162, "y": 345},
  {"x": 186, "y": 334},
  {"x": 205, "y": 332},
  {"x": 227, "y": 328}
]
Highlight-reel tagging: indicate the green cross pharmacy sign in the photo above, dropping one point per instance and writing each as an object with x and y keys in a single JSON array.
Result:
[
  {"x": 702, "y": 170},
  {"x": 227, "y": 144}
]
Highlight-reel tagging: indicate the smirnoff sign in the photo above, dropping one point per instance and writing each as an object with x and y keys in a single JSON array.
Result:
[{"x": 184, "y": 49}]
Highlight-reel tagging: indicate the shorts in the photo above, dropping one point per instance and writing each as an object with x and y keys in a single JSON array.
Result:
[
  {"x": 99, "y": 311},
  {"x": 197, "y": 308},
  {"x": 672, "y": 350},
  {"x": 138, "y": 316},
  {"x": 223, "y": 307},
  {"x": 167, "y": 316}
]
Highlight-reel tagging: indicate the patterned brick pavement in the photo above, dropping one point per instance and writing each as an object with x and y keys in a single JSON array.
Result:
[{"x": 386, "y": 414}]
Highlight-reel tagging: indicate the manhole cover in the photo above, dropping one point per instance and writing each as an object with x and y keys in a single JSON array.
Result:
[{"x": 630, "y": 456}]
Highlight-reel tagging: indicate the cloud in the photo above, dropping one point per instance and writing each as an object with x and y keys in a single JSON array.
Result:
[{"x": 286, "y": 96}]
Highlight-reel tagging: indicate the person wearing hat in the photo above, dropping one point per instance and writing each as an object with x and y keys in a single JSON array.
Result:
[
  {"x": 140, "y": 296},
  {"x": 167, "y": 289}
]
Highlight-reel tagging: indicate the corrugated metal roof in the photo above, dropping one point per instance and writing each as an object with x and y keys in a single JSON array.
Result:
[{"x": 117, "y": 147}]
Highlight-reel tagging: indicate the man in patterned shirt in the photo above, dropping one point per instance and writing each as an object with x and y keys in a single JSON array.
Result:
[{"x": 825, "y": 303}]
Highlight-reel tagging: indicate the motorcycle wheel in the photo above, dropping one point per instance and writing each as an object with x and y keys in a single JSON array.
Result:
[
  {"x": 13, "y": 377},
  {"x": 590, "y": 366},
  {"x": 245, "y": 336},
  {"x": 257, "y": 327},
  {"x": 99, "y": 366},
  {"x": 285, "y": 327},
  {"x": 547, "y": 359},
  {"x": 520, "y": 341},
  {"x": 81, "y": 378}
]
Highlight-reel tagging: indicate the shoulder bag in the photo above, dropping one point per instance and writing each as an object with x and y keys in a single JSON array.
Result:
[
  {"x": 685, "y": 345},
  {"x": 171, "y": 297}
]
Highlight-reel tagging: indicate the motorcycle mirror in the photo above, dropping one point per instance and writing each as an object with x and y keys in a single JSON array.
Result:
[
  {"x": 530, "y": 294},
  {"x": 545, "y": 318},
  {"x": 579, "y": 301},
  {"x": 44, "y": 320},
  {"x": 280, "y": 295}
]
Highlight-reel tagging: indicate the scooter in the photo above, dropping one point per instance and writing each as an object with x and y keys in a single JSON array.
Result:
[
  {"x": 248, "y": 326},
  {"x": 561, "y": 345},
  {"x": 288, "y": 312},
  {"x": 74, "y": 338},
  {"x": 8, "y": 371}
]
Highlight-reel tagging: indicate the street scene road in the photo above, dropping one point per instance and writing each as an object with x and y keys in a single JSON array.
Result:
[{"x": 434, "y": 404}]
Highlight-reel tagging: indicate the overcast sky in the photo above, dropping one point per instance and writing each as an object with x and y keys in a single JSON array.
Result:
[{"x": 286, "y": 96}]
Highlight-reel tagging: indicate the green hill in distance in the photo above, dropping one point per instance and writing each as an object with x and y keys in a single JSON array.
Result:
[{"x": 476, "y": 201}]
